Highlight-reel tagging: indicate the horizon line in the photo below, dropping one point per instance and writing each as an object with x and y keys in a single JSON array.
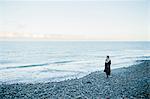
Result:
[{"x": 82, "y": 40}]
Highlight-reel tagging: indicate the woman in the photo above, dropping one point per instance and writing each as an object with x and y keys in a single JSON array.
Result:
[{"x": 107, "y": 66}]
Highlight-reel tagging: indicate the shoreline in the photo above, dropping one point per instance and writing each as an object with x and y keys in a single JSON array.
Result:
[{"x": 127, "y": 82}]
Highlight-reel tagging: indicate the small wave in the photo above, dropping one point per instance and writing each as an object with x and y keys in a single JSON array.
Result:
[
  {"x": 56, "y": 70},
  {"x": 26, "y": 66},
  {"x": 144, "y": 57},
  {"x": 135, "y": 57},
  {"x": 37, "y": 65},
  {"x": 62, "y": 62}
]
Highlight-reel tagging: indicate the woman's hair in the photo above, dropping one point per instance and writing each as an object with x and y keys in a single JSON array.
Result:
[{"x": 107, "y": 56}]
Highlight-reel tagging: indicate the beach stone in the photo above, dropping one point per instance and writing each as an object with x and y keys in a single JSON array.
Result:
[{"x": 129, "y": 83}]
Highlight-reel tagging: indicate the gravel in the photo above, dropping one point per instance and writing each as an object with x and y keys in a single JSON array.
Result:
[{"x": 124, "y": 83}]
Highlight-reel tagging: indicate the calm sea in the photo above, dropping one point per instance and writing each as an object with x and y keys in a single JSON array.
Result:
[{"x": 45, "y": 61}]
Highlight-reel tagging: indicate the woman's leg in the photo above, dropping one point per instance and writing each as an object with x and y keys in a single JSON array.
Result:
[{"x": 107, "y": 75}]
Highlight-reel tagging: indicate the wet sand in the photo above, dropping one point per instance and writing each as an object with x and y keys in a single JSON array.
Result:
[{"x": 125, "y": 83}]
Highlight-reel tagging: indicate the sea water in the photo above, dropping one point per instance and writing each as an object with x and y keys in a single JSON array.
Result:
[{"x": 46, "y": 61}]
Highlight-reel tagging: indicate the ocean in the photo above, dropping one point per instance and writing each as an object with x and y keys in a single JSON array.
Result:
[{"x": 48, "y": 61}]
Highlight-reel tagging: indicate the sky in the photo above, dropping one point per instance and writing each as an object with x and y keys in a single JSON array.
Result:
[{"x": 75, "y": 19}]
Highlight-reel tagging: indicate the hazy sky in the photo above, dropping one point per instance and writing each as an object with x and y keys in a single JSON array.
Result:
[{"x": 98, "y": 18}]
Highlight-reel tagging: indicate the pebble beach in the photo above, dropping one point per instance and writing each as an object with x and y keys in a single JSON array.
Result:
[{"x": 131, "y": 82}]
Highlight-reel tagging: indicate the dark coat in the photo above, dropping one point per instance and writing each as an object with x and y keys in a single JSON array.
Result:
[{"x": 107, "y": 69}]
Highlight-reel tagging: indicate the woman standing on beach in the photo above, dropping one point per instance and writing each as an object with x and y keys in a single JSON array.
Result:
[{"x": 107, "y": 66}]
